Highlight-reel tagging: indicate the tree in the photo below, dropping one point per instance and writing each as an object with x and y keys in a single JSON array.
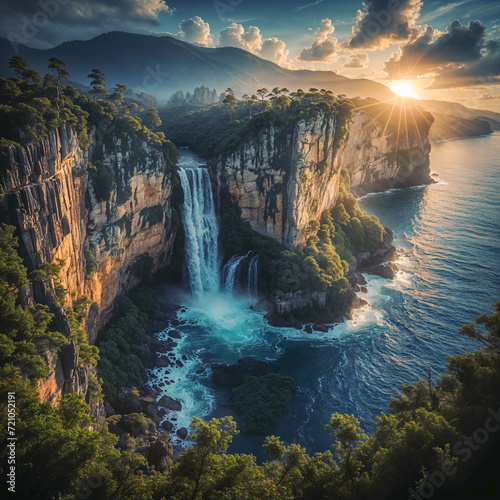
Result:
[
  {"x": 262, "y": 93},
  {"x": 21, "y": 69},
  {"x": 58, "y": 66},
  {"x": 231, "y": 101},
  {"x": 97, "y": 82},
  {"x": 348, "y": 436},
  {"x": 199, "y": 465},
  {"x": 153, "y": 119},
  {"x": 117, "y": 95},
  {"x": 25, "y": 335}
]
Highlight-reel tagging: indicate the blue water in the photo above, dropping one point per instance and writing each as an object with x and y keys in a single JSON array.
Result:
[{"x": 449, "y": 274}]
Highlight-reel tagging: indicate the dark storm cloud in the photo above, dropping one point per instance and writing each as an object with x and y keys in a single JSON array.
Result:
[
  {"x": 383, "y": 22},
  {"x": 484, "y": 72},
  {"x": 455, "y": 49},
  {"x": 46, "y": 22}
]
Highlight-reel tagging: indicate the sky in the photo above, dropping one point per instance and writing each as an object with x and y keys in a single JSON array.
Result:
[{"x": 439, "y": 49}]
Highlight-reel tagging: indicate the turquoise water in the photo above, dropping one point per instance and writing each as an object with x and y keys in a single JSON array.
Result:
[{"x": 449, "y": 273}]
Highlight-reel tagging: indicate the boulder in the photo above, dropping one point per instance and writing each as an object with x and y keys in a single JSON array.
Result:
[
  {"x": 308, "y": 329},
  {"x": 385, "y": 270},
  {"x": 182, "y": 432},
  {"x": 126, "y": 403},
  {"x": 162, "y": 362},
  {"x": 170, "y": 403},
  {"x": 157, "y": 451},
  {"x": 174, "y": 334},
  {"x": 320, "y": 327},
  {"x": 167, "y": 425}
]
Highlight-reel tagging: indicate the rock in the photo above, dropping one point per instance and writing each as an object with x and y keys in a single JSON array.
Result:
[
  {"x": 385, "y": 270},
  {"x": 167, "y": 425},
  {"x": 363, "y": 258},
  {"x": 174, "y": 334},
  {"x": 163, "y": 347},
  {"x": 158, "y": 451},
  {"x": 174, "y": 322},
  {"x": 179, "y": 363},
  {"x": 320, "y": 327},
  {"x": 200, "y": 371},
  {"x": 182, "y": 432},
  {"x": 108, "y": 408},
  {"x": 235, "y": 375},
  {"x": 308, "y": 329},
  {"x": 364, "y": 289},
  {"x": 127, "y": 403},
  {"x": 184, "y": 357},
  {"x": 275, "y": 319},
  {"x": 162, "y": 361},
  {"x": 170, "y": 403},
  {"x": 152, "y": 412}
]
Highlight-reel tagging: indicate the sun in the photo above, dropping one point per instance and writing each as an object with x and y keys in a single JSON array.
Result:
[{"x": 404, "y": 89}]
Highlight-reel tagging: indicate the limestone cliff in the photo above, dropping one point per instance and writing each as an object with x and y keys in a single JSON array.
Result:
[
  {"x": 387, "y": 149},
  {"x": 47, "y": 194},
  {"x": 285, "y": 179}
]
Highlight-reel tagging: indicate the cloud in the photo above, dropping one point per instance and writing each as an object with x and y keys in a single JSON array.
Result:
[
  {"x": 235, "y": 36},
  {"x": 384, "y": 22},
  {"x": 358, "y": 60},
  {"x": 436, "y": 52},
  {"x": 324, "y": 47},
  {"x": 441, "y": 11},
  {"x": 275, "y": 50},
  {"x": 195, "y": 30},
  {"x": 488, "y": 96},
  {"x": 43, "y": 24}
]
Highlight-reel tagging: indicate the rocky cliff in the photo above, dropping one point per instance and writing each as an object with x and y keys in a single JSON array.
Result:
[
  {"x": 285, "y": 179},
  {"x": 48, "y": 195},
  {"x": 201, "y": 96},
  {"x": 290, "y": 175},
  {"x": 385, "y": 151}
]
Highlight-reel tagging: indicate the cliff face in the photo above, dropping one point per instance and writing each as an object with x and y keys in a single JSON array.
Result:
[
  {"x": 51, "y": 199},
  {"x": 285, "y": 179},
  {"x": 381, "y": 155}
]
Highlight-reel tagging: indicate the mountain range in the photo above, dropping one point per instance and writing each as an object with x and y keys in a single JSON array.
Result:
[{"x": 161, "y": 65}]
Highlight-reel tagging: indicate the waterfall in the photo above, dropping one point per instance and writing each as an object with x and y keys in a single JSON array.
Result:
[
  {"x": 230, "y": 270},
  {"x": 252, "y": 275},
  {"x": 200, "y": 226}
]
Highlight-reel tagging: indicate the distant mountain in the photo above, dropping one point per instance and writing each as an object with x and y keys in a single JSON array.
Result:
[
  {"x": 457, "y": 110},
  {"x": 163, "y": 65},
  {"x": 450, "y": 126}
]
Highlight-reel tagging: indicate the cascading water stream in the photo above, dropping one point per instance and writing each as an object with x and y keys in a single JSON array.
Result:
[
  {"x": 200, "y": 226},
  {"x": 252, "y": 275},
  {"x": 230, "y": 270}
]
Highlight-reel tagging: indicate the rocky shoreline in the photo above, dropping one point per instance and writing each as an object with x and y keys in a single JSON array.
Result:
[{"x": 379, "y": 262}]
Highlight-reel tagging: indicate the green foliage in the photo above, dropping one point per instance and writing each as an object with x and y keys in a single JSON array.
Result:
[
  {"x": 212, "y": 131},
  {"x": 102, "y": 180},
  {"x": 90, "y": 264},
  {"x": 121, "y": 340},
  {"x": 87, "y": 354},
  {"x": 25, "y": 335},
  {"x": 152, "y": 215},
  {"x": 260, "y": 400},
  {"x": 32, "y": 106}
]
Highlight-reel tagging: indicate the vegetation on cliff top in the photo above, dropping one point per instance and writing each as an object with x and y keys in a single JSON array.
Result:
[
  {"x": 31, "y": 106},
  {"x": 223, "y": 128}
]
